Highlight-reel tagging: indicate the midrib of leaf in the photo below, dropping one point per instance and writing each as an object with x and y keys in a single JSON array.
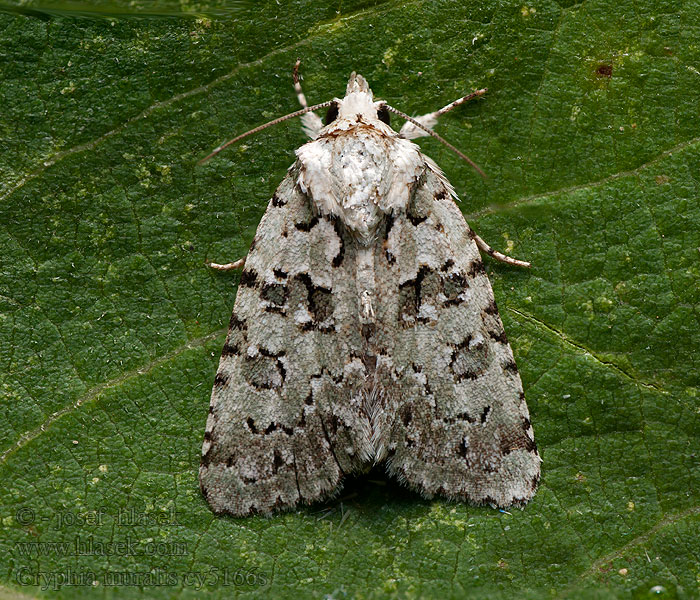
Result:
[{"x": 587, "y": 351}]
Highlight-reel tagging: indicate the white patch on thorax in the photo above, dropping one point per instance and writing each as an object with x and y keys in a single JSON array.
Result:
[{"x": 359, "y": 172}]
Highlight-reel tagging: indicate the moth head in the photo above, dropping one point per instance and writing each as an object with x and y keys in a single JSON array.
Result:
[{"x": 358, "y": 105}]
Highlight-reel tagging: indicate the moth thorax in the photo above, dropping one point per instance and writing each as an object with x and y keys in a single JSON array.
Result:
[{"x": 359, "y": 168}]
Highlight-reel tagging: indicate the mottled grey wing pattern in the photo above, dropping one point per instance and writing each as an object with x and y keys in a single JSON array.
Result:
[
  {"x": 321, "y": 376},
  {"x": 286, "y": 418},
  {"x": 460, "y": 427}
]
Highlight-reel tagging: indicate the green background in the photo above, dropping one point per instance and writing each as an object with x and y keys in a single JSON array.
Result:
[{"x": 111, "y": 325}]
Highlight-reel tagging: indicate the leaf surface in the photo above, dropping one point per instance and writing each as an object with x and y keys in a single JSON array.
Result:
[{"x": 111, "y": 325}]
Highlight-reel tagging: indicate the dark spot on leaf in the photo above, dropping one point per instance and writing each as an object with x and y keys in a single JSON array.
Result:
[{"x": 604, "y": 70}]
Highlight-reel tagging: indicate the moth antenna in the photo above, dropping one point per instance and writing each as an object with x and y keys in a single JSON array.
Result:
[
  {"x": 462, "y": 100},
  {"x": 439, "y": 138},
  {"x": 297, "y": 113},
  {"x": 297, "y": 84}
]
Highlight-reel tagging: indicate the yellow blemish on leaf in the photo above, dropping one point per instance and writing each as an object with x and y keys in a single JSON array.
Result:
[
  {"x": 527, "y": 11},
  {"x": 603, "y": 304},
  {"x": 164, "y": 171},
  {"x": 389, "y": 54}
]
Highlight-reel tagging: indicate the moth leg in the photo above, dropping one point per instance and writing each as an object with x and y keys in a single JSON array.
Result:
[
  {"x": 310, "y": 122},
  {"x": 484, "y": 247},
  {"x": 228, "y": 266},
  {"x": 410, "y": 131}
]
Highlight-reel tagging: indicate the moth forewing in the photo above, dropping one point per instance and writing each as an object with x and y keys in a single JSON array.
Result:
[{"x": 365, "y": 330}]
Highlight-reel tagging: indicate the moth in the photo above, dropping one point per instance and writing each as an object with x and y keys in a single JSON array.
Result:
[{"x": 365, "y": 331}]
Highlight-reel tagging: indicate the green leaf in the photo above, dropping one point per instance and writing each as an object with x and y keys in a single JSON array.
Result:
[{"x": 111, "y": 325}]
